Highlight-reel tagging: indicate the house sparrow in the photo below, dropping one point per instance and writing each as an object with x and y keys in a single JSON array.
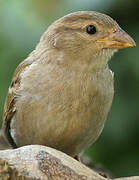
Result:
[{"x": 61, "y": 94}]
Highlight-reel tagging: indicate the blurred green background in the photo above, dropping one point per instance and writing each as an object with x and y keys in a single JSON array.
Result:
[{"x": 21, "y": 25}]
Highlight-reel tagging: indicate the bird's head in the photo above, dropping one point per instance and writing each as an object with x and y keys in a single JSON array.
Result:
[{"x": 86, "y": 36}]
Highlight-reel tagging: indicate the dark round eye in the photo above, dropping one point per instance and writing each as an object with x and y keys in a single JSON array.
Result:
[{"x": 91, "y": 29}]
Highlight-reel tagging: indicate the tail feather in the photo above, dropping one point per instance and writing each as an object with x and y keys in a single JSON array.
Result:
[{"x": 3, "y": 142}]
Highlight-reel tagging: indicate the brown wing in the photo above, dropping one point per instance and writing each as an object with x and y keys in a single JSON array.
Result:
[{"x": 10, "y": 103}]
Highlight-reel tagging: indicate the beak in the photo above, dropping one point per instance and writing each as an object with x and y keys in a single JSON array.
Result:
[{"x": 117, "y": 40}]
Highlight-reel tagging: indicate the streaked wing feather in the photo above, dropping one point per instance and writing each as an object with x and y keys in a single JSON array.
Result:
[{"x": 10, "y": 103}]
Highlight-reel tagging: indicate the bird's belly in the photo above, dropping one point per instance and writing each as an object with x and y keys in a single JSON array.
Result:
[{"x": 68, "y": 119}]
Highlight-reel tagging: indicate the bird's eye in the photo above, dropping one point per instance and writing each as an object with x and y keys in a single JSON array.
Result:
[{"x": 91, "y": 29}]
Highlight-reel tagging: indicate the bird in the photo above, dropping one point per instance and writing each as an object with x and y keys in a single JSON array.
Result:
[{"x": 60, "y": 95}]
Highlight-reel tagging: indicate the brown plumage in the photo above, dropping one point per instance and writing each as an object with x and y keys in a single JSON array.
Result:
[{"x": 61, "y": 94}]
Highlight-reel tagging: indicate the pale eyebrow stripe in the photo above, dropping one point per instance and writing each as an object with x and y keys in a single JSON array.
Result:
[{"x": 64, "y": 28}]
